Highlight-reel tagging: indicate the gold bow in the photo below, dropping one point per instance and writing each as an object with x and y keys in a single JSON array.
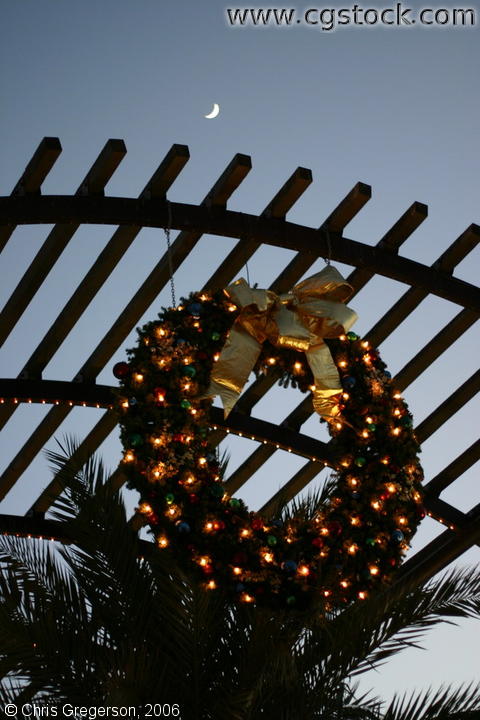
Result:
[{"x": 298, "y": 320}]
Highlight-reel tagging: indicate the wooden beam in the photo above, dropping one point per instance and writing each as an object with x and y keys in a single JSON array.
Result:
[{"x": 228, "y": 223}]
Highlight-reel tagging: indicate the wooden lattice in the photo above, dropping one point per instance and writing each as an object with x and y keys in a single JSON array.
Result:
[{"x": 26, "y": 205}]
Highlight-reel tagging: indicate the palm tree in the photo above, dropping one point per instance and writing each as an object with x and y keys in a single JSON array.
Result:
[{"x": 110, "y": 621}]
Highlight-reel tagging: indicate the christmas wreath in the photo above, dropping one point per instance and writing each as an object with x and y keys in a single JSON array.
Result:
[{"x": 208, "y": 345}]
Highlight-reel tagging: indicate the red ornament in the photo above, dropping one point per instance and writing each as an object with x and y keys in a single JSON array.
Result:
[
  {"x": 318, "y": 542},
  {"x": 121, "y": 370},
  {"x": 178, "y": 437},
  {"x": 159, "y": 394},
  {"x": 257, "y": 523},
  {"x": 334, "y": 527},
  {"x": 194, "y": 499}
]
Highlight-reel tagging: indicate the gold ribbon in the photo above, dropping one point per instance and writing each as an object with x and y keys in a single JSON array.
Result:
[{"x": 298, "y": 320}]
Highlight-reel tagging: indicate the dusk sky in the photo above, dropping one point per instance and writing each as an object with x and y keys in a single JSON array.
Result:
[{"x": 395, "y": 107}]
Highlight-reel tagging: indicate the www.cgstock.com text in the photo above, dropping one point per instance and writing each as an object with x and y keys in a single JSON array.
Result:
[{"x": 329, "y": 19}]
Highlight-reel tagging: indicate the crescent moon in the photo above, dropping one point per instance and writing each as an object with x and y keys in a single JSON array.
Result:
[{"x": 214, "y": 112}]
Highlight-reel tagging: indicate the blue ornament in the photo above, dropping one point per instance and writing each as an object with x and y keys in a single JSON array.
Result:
[
  {"x": 183, "y": 527},
  {"x": 349, "y": 382},
  {"x": 195, "y": 309},
  {"x": 290, "y": 566},
  {"x": 356, "y": 495},
  {"x": 239, "y": 587},
  {"x": 189, "y": 371},
  {"x": 277, "y": 523},
  {"x": 180, "y": 341},
  {"x": 397, "y": 536},
  {"x": 387, "y": 374},
  {"x": 132, "y": 401}
]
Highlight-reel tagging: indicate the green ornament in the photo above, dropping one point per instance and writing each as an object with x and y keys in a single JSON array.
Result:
[
  {"x": 352, "y": 336},
  {"x": 185, "y": 404},
  {"x": 169, "y": 497},
  {"x": 217, "y": 490},
  {"x": 136, "y": 439},
  {"x": 372, "y": 427},
  {"x": 370, "y": 541},
  {"x": 406, "y": 421},
  {"x": 360, "y": 461},
  {"x": 189, "y": 371},
  {"x": 215, "y": 336},
  {"x": 291, "y": 600},
  {"x": 235, "y": 503},
  {"x": 271, "y": 540}
]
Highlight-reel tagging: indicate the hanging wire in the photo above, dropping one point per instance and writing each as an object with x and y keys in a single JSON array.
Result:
[
  {"x": 169, "y": 252},
  {"x": 328, "y": 258},
  {"x": 248, "y": 274}
]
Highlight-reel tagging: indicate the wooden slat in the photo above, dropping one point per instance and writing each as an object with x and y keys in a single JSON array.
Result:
[
  {"x": 392, "y": 240},
  {"x": 87, "y": 447},
  {"x": 33, "y": 176},
  {"x": 449, "y": 407},
  {"x": 441, "y": 551},
  {"x": 456, "y": 468},
  {"x": 283, "y": 201},
  {"x": 410, "y": 300},
  {"x": 57, "y": 240},
  {"x": 443, "y": 340}
]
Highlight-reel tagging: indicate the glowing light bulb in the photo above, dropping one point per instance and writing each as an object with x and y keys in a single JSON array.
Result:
[
  {"x": 352, "y": 549},
  {"x": 237, "y": 571},
  {"x": 304, "y": 570},
  {"x": 162, "y": 541},
  {"x": 245, "y": 597},
  {"x": 362, "y": 594},
  {"x": 138, "y": 377},
  {"x": 374, "y": 569},
  {"x": 129, "y": 456},
  {"x": 211, "y": 585}
]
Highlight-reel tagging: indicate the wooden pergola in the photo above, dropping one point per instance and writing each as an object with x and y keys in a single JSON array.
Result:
[{"x": 27, "y": 205}]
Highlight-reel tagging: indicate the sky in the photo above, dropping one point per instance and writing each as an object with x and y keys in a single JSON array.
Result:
[{"x": 394, "y": 107}]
